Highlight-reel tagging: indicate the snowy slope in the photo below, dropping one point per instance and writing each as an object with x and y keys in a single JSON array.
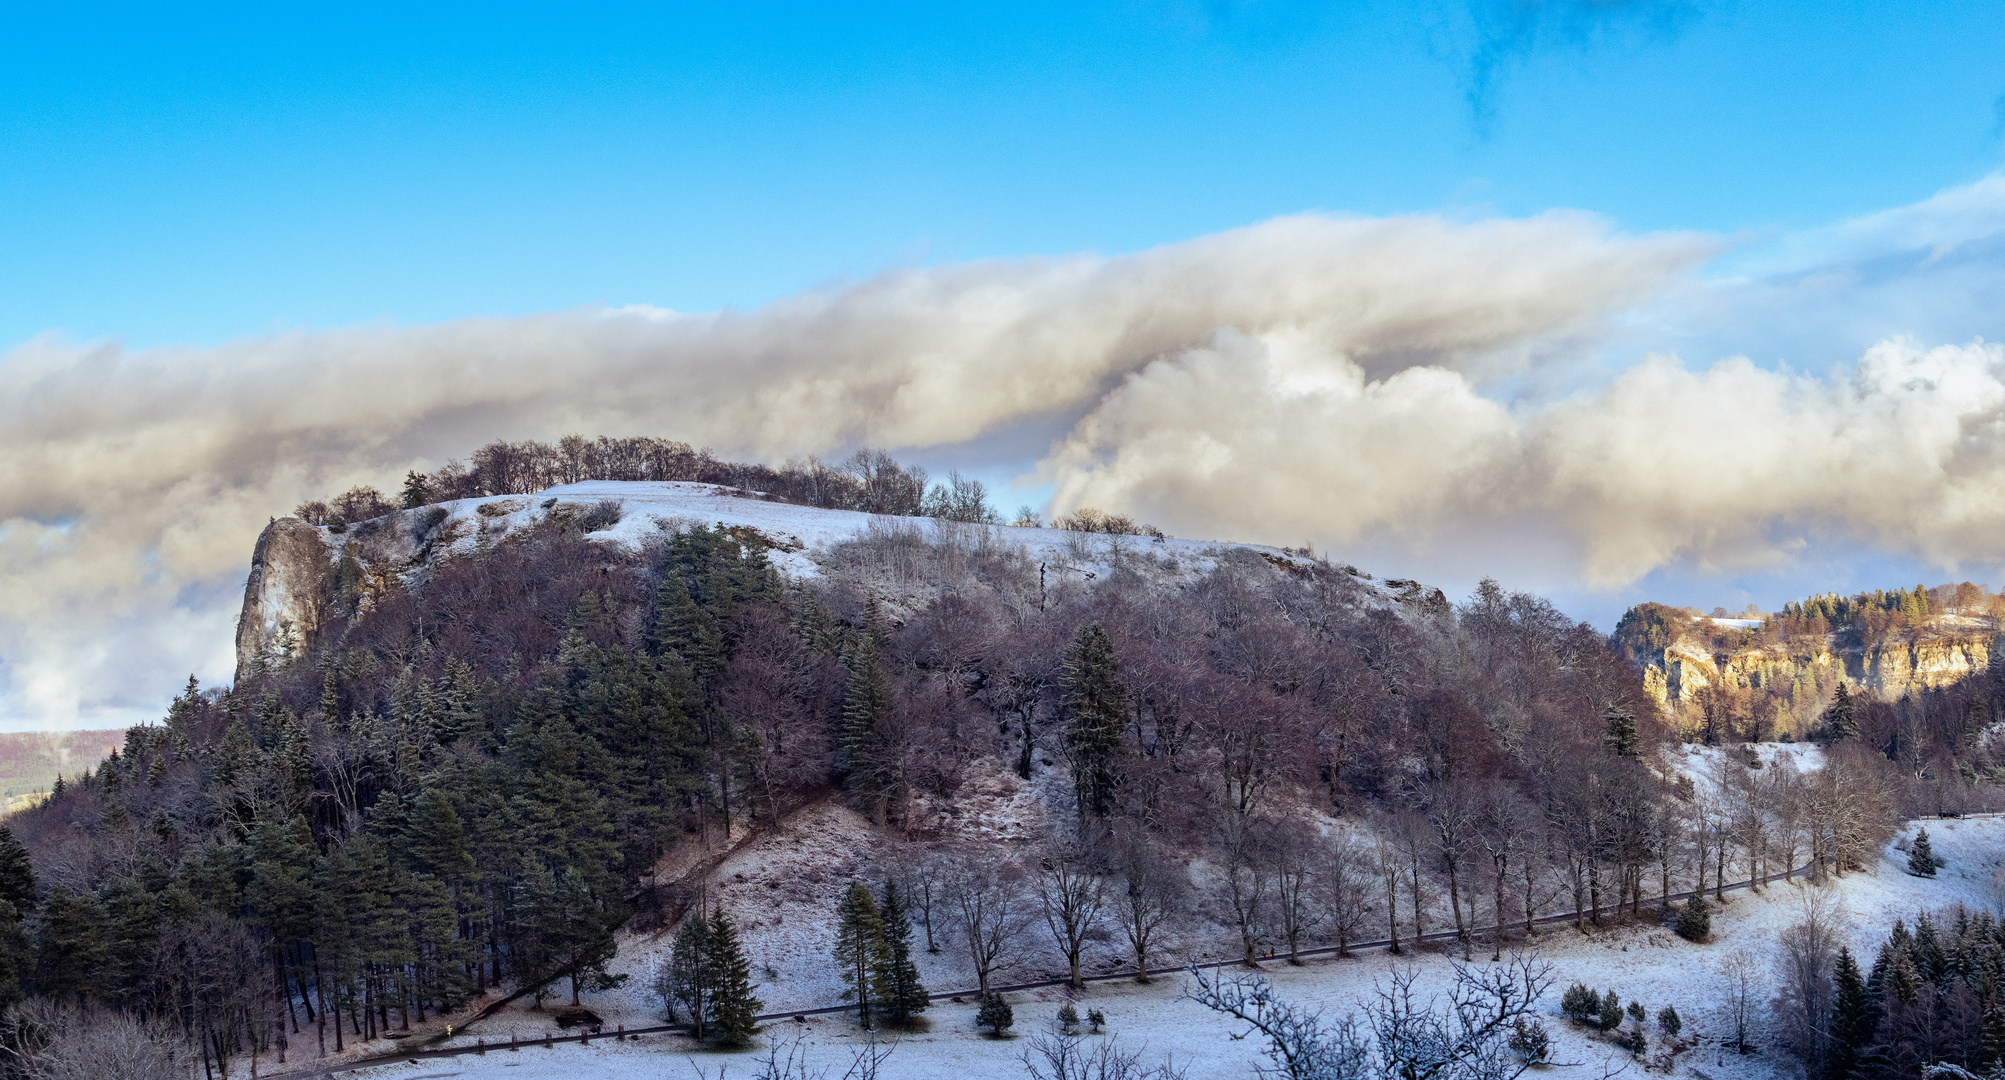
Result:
[{"x": 1643, "y": 962}]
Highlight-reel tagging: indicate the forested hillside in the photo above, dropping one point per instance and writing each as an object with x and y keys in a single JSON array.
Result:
[{"x": 468, "y": 780}]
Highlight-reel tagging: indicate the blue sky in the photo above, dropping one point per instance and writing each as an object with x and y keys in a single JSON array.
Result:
[
  {"x": 195, "y": 175},
  {"x": 1448, "y": 289}
]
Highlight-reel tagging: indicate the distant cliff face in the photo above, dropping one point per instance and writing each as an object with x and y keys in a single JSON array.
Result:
[
  {"x": 1932, "y": 658},
  {"x": 293, "y": 574}
]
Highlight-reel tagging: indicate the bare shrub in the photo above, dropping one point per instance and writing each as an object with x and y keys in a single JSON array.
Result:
[{"x": 51, "y": 1041}]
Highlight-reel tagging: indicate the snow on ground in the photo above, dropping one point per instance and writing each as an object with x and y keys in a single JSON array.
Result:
[
  {"x": 799, "y": 533},
  {"x": 1642, "y": 961},
  {"x": 1706, "y": 764}
]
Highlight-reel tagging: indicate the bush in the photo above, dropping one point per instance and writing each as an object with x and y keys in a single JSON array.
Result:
[
  {"x": 604, "y": 514},
  {"x": 995, "y": 1014},
  {"x": 1530, "y": 1042},
  {"x": 1068, "y": 1017},
  {"x": 1668, "y": 1021},
  {"x": 1636, "y": 1012},
  {"x": 1695, "y": 919},
  {"x": 1096, "y": 1018},
  {"x": 1633, "y": 1041},
  {"x": 1580, "y": 1004},
  {"x": 1611, "y": 1011}
]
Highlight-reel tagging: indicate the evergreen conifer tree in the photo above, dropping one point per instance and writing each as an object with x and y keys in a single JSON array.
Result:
[
  {"x": 900, "y": 993},
  {"x": 1921, "y": 859},
  {"x": 867, "y": 762},
  {"x": 859, "y": 946},
  {"x": 1668, "y": 1021},
  {"x": 1840, "y": 722},
  {"x": 1695, "y": 919},
  {"x": 995, "y": 1014},
  {"x": 1097, "y": 703},
  {"x": 1851, "y": 1018},
  {"x": 17, "y": 874},
  {"x": 415, "y": 492},
  {"x": 732, "y": 1006},
  {"x": 690, "y": 969},
  {"x": 1611, "y": 1011},
  {"x": 1619, "y": 731}
]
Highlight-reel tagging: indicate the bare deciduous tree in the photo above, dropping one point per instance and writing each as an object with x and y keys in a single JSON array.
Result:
[
  {"x": 1740, "y": 981},
  {"x": 1348, "y": 874},
  {"x": 1803, "y": 963},
  {"x": 1070, "y": 892},
  {"x": 1299, "y": 855},
  {"x": 988, "y": 901},
  {"x": 1151, "y": 891}
]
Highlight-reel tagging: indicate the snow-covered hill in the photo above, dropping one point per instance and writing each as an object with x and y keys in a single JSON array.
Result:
[{"x": 297, "y": 569}]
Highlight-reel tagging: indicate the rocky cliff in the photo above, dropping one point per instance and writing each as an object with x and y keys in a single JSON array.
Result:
[
  {"x": 293, "y": 571},
  {"x": 1928, "y": 658}
]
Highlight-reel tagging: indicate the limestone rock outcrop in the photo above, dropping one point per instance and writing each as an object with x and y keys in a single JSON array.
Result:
[
  {"x": 1927, "y": 659},
  {"x": 293, "y": 572}
]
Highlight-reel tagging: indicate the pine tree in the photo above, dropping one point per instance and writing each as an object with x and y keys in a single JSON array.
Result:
[
  {"x": 1097, "y": 702},
  {"x": 415, "y": 492},
  {"x": 1619, "y": 732},
  {"x": 690, "y": 969},
  {"x": 900, "y": 993},
  {"x": 1695, "y": 920},
  {"x": 1921, "y": 860},
  {"x": 1851, "y": 1018},
  {"x": 1668, "y": 1021},
  {"x": 1839, "y": 720},
  {"x": 17, "y": 874},
  {"x": 732, "y": 1006},
  {"x": 995, "y": 1014},
  {"x": 1611, "y": 1011},
  {"x": 867, "y": 762},
  {"x": 859, "y": 944}
]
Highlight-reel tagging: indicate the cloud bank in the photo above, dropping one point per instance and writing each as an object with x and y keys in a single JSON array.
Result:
[{"x": 1313, "y": 378}]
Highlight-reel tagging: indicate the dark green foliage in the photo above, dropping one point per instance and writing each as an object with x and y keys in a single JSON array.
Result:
[
  {"x": 1668, "y": 1021},
  {"x": 1610, "y": 1016},
  {"x": 415, "y": 493},
  {"x": 868, "y": 754},
  {"x": 1634, "y": 1041},
  {"x": 901, "y": 995},
  {"x": 1695, "y": 919},
  {"x": 1580, "y": 1004},
  {"x": 1619, "y": 731},
  {"x": 1841, "y": 719},
  {"x": 1068, "y": 1017},
  {"x": 1528, "y": 1040},
  {"x": 1096, "y": 704},
  {"x": 995, "y": 1014},
  {"x": 1096, "y": 1019},
  {"x": 693, "y": 976},
  {"x": 17, "y": 876},
  {"x": 1921, "y": 858},
  {"x": 1851, "y": 1018},
  {"x": 1636, "y": 1012},
  {"x": 732, "y": 1006},
  {"x": 860, "y": 951}
]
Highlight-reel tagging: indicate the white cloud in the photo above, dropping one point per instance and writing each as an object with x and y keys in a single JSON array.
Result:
[{"x": 1311, "y": 378}]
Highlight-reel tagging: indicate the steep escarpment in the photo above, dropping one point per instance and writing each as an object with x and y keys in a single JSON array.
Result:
[{"x": 1787, "y": 667}]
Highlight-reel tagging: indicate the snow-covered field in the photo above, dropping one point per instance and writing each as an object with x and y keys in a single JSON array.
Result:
[
  {"x": 1642, "y": 962},
  {"x": 798, "y": 532}
]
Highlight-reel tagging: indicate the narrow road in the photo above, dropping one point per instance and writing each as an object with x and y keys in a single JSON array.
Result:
[{"x": 1448, "y": 936}]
